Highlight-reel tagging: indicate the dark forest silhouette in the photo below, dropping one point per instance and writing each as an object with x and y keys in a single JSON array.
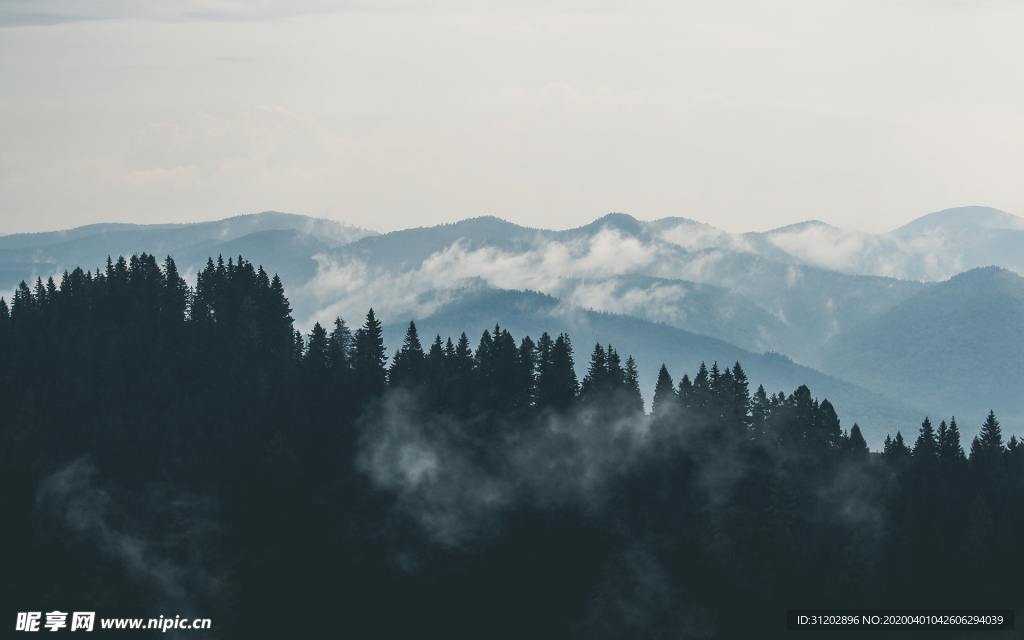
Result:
[{"x": 167, "y": 449}]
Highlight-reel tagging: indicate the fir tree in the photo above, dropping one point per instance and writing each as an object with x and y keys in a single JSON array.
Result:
[
  {"x": 760, "y": 409},
  {"x": 926, "y": 446},
  {"x": 634, "y": 402},
  {"x": 950, "y": 450},
  {"x": 526, "y": 381},
  {"x": 317, "y": 356},
  {"x": 664, "y": 394},
  {"x": 895, "y": 448},
  {"x": 828, "y": 432},
  {"x": 407, "y": 367},
  {"x": 557, "y": 385},
  {"x": 987, "y": 446},
  {"x": 370, "y": 375},
  {"x": 341, "y": 346},
  {"x": 595, "y": 382},
  {"x": 856, "y": 444}
]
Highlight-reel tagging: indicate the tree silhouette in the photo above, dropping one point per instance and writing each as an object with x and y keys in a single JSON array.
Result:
[{"x": 193, "y": 427}]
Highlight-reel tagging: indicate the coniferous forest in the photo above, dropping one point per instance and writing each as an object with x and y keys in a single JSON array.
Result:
[{"x": 167, "y": 449}]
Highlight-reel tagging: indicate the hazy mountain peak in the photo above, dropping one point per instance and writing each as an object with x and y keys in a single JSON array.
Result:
[
  {"x": 620, "y": 221},
  {"x": 672, "y": 221},
  {"x": 490, "y": 221},
  {"x": 802, "y": 226},
  {"x": 987, "y": 278},
  {"x": 959, "y": 218}
]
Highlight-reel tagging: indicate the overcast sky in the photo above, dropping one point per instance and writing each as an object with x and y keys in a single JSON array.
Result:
[{"x": 392, "y": 113}]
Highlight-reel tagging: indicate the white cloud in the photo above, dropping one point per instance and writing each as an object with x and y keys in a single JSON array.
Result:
[{"x": 343, "y": 287}]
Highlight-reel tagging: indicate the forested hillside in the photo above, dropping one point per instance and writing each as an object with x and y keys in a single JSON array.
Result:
[
  {"x": 965, "y": 332},
  {"x": 167, "y": 448}
]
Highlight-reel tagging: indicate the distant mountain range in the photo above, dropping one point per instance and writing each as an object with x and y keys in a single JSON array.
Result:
[{"x": 882, "y": 314}]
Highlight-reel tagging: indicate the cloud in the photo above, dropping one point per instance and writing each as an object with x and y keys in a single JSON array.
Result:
[
  {"x": 695, "y": 236},
  {"x": 342, "y": 286},
  {"x": 174, "y": 565},
  {"x": 456, "y": 497},
  {"x": 932, "y": 255},
  {"x": 658, "y": 301}
]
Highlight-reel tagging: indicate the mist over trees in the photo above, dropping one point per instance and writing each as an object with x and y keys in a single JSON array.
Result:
[{"x": 170, "y": 449}]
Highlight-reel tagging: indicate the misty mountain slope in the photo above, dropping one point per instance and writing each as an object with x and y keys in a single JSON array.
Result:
[
  {"x": 932, "y": 247},
  {"x": 287, "y": 252},
  {"x": 960, "y": 219},
  {"x": 700, "y": 308},
  {"x": 819, "y": 244},
  {"x": 808, "y": 305},
  {"x": 814, "y": 304},
  {"x": 956, "y": 347},
  {"x": 25, "y": 256},
  {"x": 408, "y": 248},
  {"x": 43, "y": 238},
  {"x": 529, "y": 313}
]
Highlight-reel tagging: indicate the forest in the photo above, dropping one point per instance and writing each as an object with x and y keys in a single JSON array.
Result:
[{"x": 170, "y": 449}]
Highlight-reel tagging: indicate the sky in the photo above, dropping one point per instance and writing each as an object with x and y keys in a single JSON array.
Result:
[{"x": 394, "y": 113}]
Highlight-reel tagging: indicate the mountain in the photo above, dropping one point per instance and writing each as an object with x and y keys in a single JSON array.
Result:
[
  {"x": 30, "y": 255},
  {"x": 933, "y": 247},
  {"x": 700, "y": 308},
  {"x": 529, "y": 313},
  {"x": 807, "y": 305},
  {"x": 824, "y": 296},
  {"x": 408, "y": 248},
  {"x": 955, "y": 347},
  {"x": 961, "y": 219}
]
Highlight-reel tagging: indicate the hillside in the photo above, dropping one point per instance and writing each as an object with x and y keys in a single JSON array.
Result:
[{"x": 956, "y": 347}]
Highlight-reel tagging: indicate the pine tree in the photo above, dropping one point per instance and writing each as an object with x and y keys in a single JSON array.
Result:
[
  {"x": 702, "y": 396},
  {"x": 436, "y": 366},
  {"x": 987, "y": 446},
  {"x": 505, "y": 383},
  {"x": 462, "y": 362},
  {"x": 277, "y": 316},
  {"x": 341, "y": 346},
  {"x": 595, "y": 382},
  {"x": 664, "y": 394},
  {"x": 616, "y": 374},
  {"x": 526, "y": 381},
  {"x": 684, "y": 394},
  {"x": 370, "y": 375},
  {"x": 987, "y": 460},
  {"x": 827, "y": 430},
  {"x": 856, "y": 444},
  {"x": 175, "y": 293},
  {"x": 557, "y": 385},
  {"x": 317, "y": 352},
  {"x": 634, "y": 400},
  {"x": 895, "y": 448},
  {"x": 926, "y": 447},
  {"x": 407, "y": 367},
  {"x": 760, "y": 410},
  {"x": 461, "y": 374},
  {"x": 739, "y": 399},
  {"x": 950, "y": 450}
]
